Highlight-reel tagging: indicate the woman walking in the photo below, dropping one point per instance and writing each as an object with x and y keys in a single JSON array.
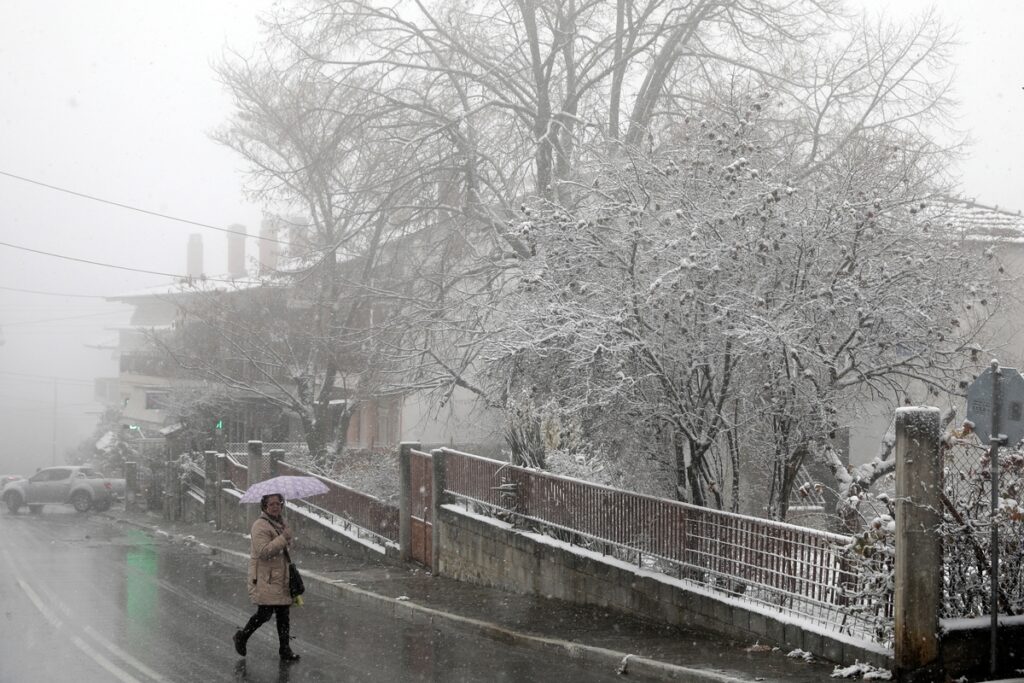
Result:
[{"x": 268, "y": 576}]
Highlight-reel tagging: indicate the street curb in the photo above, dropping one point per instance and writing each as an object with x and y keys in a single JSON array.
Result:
[{"x": 623, "y": 662}]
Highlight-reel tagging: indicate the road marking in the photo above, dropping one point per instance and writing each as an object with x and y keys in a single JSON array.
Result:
[
  {"x": 52, "y": 618},
  {"x": 114, "y": 669},
  {"x": 124, "y": 655},
  {"x": 57, "y": 623},
  {"x": 95, "y": 635}
]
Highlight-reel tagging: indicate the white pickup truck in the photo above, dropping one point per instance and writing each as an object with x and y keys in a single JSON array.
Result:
[{"x": 82, "y": 487}]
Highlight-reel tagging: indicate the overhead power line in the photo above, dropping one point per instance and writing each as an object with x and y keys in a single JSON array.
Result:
[
  {"x": 47, "y": 378},
  {"x": 57, "y": 320},
  {"x": 36, "y": 291},
  {"x": 134, "y": 270},
  {"x": 135, "y": 208}
]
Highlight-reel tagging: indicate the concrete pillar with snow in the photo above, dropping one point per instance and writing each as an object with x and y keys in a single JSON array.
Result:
[
  {"x": 918, "y": 575},
  {"x": 404, "y": 496},
  {"x": 255, "y": 474}
]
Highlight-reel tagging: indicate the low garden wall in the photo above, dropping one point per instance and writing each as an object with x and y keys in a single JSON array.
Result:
[
  {"x": 487, "y": 552},
  {"x": 966, "y": 645}
]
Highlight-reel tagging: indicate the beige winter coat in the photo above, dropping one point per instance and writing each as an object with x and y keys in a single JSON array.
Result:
[{"x": 268, "y": 566}]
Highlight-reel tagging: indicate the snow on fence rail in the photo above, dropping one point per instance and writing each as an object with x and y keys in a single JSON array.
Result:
[
  {"x": 236, "y": 472},
  {"x": 349, "y": 506},
  {"x": 193, "y": 477},
  {"x": 241, "y": 448},
  {"x": 788, "y": 569}
]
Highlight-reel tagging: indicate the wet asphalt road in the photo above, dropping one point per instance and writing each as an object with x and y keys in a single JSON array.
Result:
[{"x": 84, "y": 599}]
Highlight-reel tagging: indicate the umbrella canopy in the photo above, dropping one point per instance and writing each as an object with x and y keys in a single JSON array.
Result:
[{"x": 288, "y": 486}]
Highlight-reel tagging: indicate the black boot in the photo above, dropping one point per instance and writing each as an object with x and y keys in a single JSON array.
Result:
[
  {"x": 284, "y": 636},
  {"x": 241, "y": 636}
]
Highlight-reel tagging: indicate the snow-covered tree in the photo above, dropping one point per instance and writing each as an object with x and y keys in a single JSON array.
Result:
[
  {"x": 733, "y": 294},
  {"x": 686, "y": 235}
]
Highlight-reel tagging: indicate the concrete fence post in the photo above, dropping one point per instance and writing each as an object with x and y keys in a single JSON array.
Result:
[
  {"x": 255, "y": 474},
  {"x": 439, "y": 481},
  {"x": 211, "y": 485},
  {"x": 404, "y": 499},
  {"x": 131, "y": 485},
  {"x": 918, "y": 576},
  {"x": 276, "y": 456},
  {"x": 172, "y": 487},
  {"x": 219, "y": 498}
]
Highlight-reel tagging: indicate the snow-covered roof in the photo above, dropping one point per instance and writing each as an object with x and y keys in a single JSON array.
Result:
[
  {"x": 104, "y": 441},
  {"x": 179, "y": 288},
  {"x": 979, "y": 222},
  {"x": 108, "y": 342}
]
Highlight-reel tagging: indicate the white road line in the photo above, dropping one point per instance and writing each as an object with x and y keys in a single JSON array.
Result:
[
  {"x": 99, "y": 638},
  {"x": 119, "y": 673},
  {"x": 54, "y": 620},
  {"x": 56, "y": 623},
  {"x": 124, "y": 655}
]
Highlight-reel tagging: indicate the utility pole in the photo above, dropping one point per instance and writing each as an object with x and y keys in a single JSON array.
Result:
[{"x": 53, "y": 434}]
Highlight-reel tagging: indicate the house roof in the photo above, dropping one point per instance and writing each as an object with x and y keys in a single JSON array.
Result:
[
  {"x": 184, "y": 288},
  {"x": 978, "y": 222}
]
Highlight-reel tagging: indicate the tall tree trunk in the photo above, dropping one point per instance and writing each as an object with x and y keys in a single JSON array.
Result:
[
  {"x": 734, "y": 464},
  {"x": 661, "y": 67},
  {"x": 619, "y": 72},
  {"x": 543, "y": 157}
]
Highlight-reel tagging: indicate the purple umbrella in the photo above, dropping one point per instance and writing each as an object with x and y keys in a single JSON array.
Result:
[{"x": 287, "y": 486}]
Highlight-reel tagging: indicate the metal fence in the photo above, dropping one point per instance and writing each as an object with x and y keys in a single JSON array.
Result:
[
  {"x": 784, "y": 568},
  {"x": 236, "y": 473},
  {"x": 241, "y": 448},
  {"x": 967, "y": 530},
  {"x": 193, "y": 476},
  {"x": 348, "y": 506},
  {"x": 149, "y": 482}
]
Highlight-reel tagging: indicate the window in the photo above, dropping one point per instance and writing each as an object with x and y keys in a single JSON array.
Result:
[
  {"x": 60, "y": 474},
  {"x": 156, "y": 400},
  {"x": 54, "y": 474},
  {"x": 388, "y": 422}
]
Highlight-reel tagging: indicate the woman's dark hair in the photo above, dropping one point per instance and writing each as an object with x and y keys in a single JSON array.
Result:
[{"x": 266, "y": 499}]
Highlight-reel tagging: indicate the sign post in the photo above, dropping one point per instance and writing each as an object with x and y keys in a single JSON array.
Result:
[
  {"x": 1005, "y": 425},
  {"x": 981, "y": 397}
]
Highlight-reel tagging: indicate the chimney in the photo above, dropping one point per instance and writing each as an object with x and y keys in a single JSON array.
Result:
[
  {"x": 269, "y": 251},
  {"x": 298, "y": 236},
  {"x": 236, "y": 251},
  {"x": 194, "y": 262}
]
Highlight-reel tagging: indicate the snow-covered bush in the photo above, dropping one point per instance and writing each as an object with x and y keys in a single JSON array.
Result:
[{"x": 967, "y": 525}]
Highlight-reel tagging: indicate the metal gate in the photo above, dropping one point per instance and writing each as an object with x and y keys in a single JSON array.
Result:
[{"x": 421, "y": 497}]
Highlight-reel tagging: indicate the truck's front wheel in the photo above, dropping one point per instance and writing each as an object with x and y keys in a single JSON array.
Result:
[
  {"x": 81, "y": 501},
  {"x": 14, "y": 502}
]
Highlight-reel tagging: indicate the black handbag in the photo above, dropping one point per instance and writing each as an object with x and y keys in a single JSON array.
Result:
[{"x": 295, "y": 585}]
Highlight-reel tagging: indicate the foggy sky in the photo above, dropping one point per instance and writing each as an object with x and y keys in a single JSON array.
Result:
[{"x": 116, "y": 99}]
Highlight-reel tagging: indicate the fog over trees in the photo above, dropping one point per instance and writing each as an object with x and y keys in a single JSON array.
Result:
[{"x": 675, "y": 245}]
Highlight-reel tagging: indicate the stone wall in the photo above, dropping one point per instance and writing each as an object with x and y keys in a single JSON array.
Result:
[
  {"x": 491, "y": 553},
  {"x": 966, "y": 646}
]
